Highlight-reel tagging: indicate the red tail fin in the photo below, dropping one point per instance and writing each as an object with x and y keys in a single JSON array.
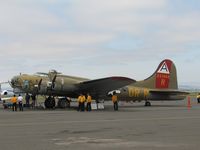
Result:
[{"x": 163, "y": 78}]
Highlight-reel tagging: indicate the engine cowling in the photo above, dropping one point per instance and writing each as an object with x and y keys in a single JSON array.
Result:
[{"x": 4, "y": 92}]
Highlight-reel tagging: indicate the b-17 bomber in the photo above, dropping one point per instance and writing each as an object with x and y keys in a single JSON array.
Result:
[{"x": 162, "y": 85}]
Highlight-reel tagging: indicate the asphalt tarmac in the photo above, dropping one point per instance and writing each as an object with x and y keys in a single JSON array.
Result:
[{"x": 164, "y": 125}]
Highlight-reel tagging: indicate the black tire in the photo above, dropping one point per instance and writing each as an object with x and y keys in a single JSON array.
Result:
[
  {"x": 62, "y": 103},
  {"x": 147, "y": 103},
  {"x": 50, "y": 102},
  {"x": 198, "y": 100}
]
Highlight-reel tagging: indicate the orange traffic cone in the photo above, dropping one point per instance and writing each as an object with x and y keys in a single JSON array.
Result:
[{"x": 189, "y": 102}]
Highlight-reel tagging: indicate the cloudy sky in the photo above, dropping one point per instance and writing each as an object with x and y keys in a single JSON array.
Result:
[{"x": 100, "y": 38}]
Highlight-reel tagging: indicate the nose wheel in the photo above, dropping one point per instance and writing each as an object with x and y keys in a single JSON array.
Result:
[{"x": 50, "y": 102}]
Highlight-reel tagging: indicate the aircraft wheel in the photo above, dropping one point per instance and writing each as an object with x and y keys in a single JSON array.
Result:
[
  {"x": 62, "y": 103},
  {"x": 68, "y": 103},
  {"x": 147, "y": 103},
  {"x": 50, "y": 102},
  {"x": 198, "y": 100}
]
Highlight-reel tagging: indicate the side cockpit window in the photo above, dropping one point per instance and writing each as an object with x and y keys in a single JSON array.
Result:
[{"x": 26, "y": 84}]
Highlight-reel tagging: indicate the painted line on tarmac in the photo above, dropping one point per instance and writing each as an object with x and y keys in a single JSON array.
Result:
[{"x": 94, "y": 121}]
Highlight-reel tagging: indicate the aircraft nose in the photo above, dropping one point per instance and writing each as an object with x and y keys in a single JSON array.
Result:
[{"x": 15, "y": 81}]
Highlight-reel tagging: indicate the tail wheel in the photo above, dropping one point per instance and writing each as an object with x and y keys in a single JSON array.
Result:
[{"x": 147, "y": 103}]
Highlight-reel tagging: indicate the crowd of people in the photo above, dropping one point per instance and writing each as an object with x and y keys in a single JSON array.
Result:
[
  {"x": 82, "y": 99},
  {"x": 81, "y": 102},
  {"x": 18, "y": 102}
]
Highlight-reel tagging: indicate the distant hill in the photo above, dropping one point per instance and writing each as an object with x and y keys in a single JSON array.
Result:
[{"x": 194, "y": 87}]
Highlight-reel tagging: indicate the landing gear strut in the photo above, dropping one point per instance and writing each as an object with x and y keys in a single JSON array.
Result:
[
  {"x": 147, "y": 103},
  {"x": 64, "y": 103},
  {"x": 50, "y": 102}
]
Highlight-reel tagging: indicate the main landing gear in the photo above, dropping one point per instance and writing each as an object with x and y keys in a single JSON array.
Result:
[
  {"x": 147, "y": 103},
  {"x": 64, "y": 103},
  {"x": 50, "y": 102}
]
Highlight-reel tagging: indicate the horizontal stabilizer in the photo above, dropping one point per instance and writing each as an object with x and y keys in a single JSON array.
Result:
[{"x": 175, "y": 92}]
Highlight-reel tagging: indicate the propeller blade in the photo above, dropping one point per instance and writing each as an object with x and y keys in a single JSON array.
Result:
[
  {"x": 53, "y": 81},
  {"x": 39, "y": 84}
]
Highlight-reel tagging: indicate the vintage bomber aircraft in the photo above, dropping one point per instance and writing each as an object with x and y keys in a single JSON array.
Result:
[
  {"x": 160, "y": 86},
  {"x": 56, "y": 84}
]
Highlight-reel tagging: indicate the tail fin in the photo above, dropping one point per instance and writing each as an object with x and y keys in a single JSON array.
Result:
[{"x": 164, "y": 77}]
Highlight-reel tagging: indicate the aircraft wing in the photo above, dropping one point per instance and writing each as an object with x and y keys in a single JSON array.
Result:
[
  {"x": 99, "y": 88},
  {"x": 5, "y": 98}
]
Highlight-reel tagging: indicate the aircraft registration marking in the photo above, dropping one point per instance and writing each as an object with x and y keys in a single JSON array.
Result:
[
  {"x": 163, "y": 83},
  {"x": 162, "y": 76},
  {"x": 138, "y": 92}
]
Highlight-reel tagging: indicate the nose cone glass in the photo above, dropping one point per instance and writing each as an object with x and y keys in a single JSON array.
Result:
[{"x": 15, "y": 81}]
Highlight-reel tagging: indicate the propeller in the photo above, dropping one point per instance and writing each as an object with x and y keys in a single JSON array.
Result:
[
  {"x": 38, "y": 86},
  {"x": 52, "y": 75},
  {"x": 53, "y": 81}
]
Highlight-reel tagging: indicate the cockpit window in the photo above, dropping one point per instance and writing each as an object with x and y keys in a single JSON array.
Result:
[{"x": 26, "y": 84}]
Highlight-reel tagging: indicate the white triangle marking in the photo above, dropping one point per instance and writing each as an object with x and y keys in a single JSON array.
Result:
[{"x": 164, "y": 69}]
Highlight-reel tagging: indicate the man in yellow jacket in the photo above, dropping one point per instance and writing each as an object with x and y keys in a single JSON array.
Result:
[
  {"x": 14, "y": 103},
  {"x": 89, "y": 100},
  {"x": 115, "y": 102},
  {"x": 81, "y": 102}
]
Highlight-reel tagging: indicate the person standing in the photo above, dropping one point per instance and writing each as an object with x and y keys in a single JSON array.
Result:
[
  {"x": 89, "y": 100},
  {"x": 79, "y": 102},
  {"x": 14, "y": 103},
  {"x": 115, "y": 102},
  {"x": 83, "y": 103},
  {"x": 33, "y": 96},
  {"x": 20, "y": 102},
  {"x": 27, "y": 98}
]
